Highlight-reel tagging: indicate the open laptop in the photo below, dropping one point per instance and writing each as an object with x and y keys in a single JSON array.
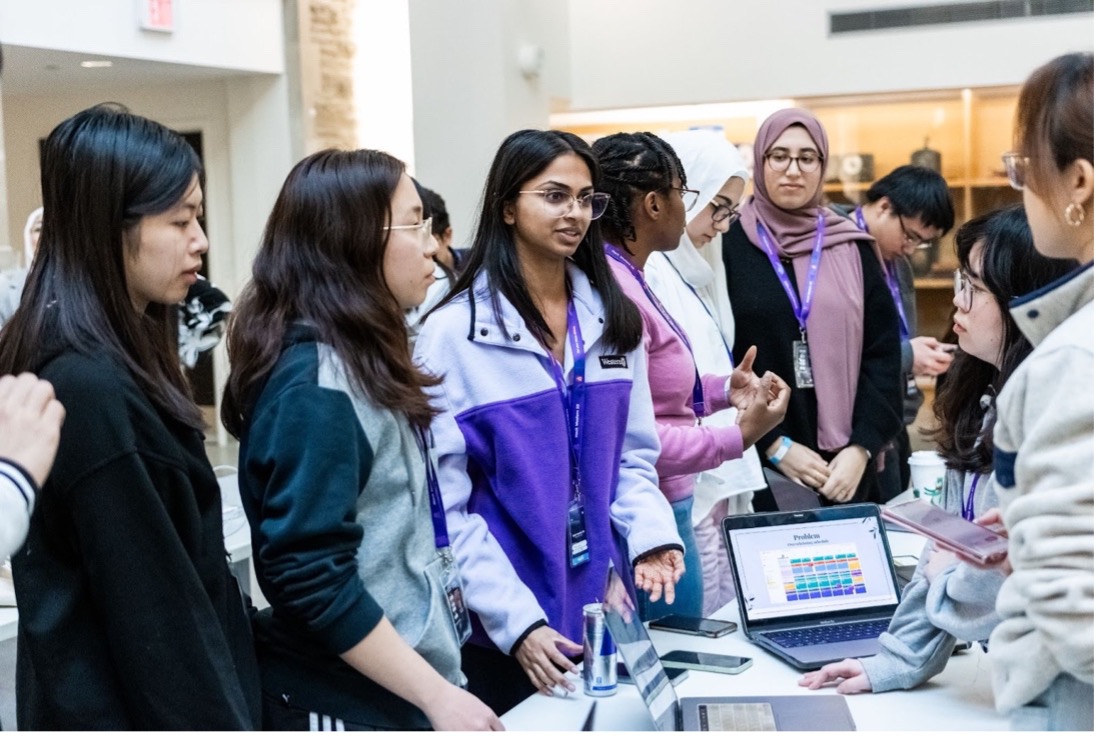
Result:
[
  {"x": 671, "y": 713},
  {"x": 814, "y": 586}
]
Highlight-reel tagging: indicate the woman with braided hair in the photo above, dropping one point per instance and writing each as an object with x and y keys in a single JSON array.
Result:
[{"x": 646, "y": 214}]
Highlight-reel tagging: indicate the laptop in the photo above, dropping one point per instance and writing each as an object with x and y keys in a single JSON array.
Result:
[
  {"x": 670, "y": 713},
  {"x": 814, "y": 586}
]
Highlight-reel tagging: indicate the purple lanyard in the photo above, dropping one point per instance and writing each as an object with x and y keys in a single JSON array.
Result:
[
  {"x": 892, "y": 281},
  {"x": 968, "y": 505},
  {"x": 575, "y": 398},
  {"x": 437, "y": 507},
  {"x": 801, "y": 311},
  {"x": 698, "y": 386}
]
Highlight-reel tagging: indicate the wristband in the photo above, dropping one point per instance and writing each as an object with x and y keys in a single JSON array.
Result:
[{"x": 785, "y": 445}]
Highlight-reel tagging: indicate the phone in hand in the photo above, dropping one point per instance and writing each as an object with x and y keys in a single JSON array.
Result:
[
  {"x": 725, "y": 664},
  {"x": 709, "y": 627},
  {"x": 974, "y": 543}
]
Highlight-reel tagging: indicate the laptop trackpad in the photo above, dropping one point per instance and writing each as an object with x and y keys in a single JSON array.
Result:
[
  {"x": 737, "y": 717},
  {"x": 835, "y": 651}
]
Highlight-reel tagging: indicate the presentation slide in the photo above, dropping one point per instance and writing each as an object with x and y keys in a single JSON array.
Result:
[{"x": 813, "y": 568}]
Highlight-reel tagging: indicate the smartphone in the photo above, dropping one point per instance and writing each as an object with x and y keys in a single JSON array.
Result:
[
  {"x": 676, "y": 674},
  {"x": 707, "y": 662},
  {"x": 972, "y": 542},
  {"x": 710, "y": 627}
]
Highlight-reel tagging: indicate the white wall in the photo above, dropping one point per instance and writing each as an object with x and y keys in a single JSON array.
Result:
[
  {"x": 469, "y": 92},
  {"x": 242, "y": 35},
  {"x": 629, "y": 53}
]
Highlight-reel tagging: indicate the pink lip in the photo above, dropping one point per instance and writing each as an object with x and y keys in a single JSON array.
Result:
[{"x": 958, "y": 327}]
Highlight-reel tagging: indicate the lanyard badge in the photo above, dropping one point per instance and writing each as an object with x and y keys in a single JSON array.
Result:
[
  {"x": 574, "y": 400},
  {"x": 450, "y": 576},
  {"x": 801, "y": 351}
]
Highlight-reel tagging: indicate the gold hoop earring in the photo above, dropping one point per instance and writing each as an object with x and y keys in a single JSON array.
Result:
[{"x": 1075, "y": 214}]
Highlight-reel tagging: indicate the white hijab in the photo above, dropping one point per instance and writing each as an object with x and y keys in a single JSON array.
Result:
[
  {"x": 709, "y": 161},
  {"x": 28, "y": 242}
]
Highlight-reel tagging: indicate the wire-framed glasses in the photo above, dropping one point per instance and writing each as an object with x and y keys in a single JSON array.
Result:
[
  {"x": 558, "y": 203},
  {"x": 424, "y": 228},
  {"x": 688, "y": 196},
  {"x": 807, "y": 161},
  {"x": 965, "y": 289},
  {"x": 721, "y": 212},
  {"x": 912, "y": 238},
  {"x": 1015, "y": 167}
]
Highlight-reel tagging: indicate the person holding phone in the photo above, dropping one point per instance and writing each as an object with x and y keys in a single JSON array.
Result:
[
  {"x": 1042, "y": 652},
  {"x": 948, "y": 600},
  {"x": 646, "y": 214},
  {"x": 351, "y": 545},
  {"x": 546, "y": 435}
]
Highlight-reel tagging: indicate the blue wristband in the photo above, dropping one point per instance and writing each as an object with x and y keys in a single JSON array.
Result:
[{"x": 785, "y": 445}]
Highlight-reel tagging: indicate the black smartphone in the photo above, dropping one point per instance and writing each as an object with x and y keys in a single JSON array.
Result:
[
  {"x": 707, "y": 662},
  {"x": 710, "y": 627},
  {"x": 676, "y": 674}
]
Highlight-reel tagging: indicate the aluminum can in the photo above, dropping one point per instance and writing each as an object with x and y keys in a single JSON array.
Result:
[{"x": 599, "y": 671}]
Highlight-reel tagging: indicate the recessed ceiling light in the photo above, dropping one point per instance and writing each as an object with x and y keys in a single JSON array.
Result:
[{"x": 96, "y": 64}]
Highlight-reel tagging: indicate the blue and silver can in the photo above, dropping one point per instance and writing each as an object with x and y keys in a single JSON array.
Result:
[{"x": 599, "y": 672}]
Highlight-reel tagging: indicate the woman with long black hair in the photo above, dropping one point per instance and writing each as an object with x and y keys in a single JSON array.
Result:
[{"x": 128, "y": 615}]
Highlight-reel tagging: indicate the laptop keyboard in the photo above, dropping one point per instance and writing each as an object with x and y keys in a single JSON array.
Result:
[
  {"x": 828, "y": 634},
  {"x": 737, "y": 717}
]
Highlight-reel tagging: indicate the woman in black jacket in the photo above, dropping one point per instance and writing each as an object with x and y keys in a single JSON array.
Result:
[{"x": 128, "y": 615}]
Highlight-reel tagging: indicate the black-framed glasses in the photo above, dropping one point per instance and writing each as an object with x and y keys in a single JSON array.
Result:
[
  {"x": 913, "y": 239},
  {"x": 807, "y": 161},
  {"x": 1015, "y": 167},
  {"x": 558, "y": 203},
  {"x": 965, "y": 289},
  {"x": 688, "y": 196},
  {"x": 721, "y": 212}
]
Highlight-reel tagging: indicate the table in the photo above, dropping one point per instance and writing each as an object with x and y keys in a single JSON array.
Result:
[{"x": 958, "y": 699}]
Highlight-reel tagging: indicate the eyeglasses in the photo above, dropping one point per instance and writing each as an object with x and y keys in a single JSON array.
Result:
[
  {"x": 721, "y": 212},
  {"x": 807, "y": 161},
  {"x": 558, "y": 203},
  {"x": 424, "y": 228},
  {"x": 965, "y": 289},
  {"x": 1015, "y": 166},
  {"x": 913, "y": 239},
  {"x": 688, "y": 196}
]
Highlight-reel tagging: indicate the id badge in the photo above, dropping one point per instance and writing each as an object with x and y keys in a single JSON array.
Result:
[
  {"x": 911, "y": 385},
  {"x": 577, "y": 546},
  {"x": 801, "y": 360},
  {"x": 454, "y": 594}
]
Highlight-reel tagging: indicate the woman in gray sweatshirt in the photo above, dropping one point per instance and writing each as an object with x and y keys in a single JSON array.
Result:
[{"x": 947, "y": 601}]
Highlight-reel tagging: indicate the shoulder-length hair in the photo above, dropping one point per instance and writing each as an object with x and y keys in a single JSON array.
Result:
[
  {"x": 103, "y": 170},
  {"x": 321, "y": 262},
  {"x": 521, "y": 157},
  {"x": 1010, "y": 267}
]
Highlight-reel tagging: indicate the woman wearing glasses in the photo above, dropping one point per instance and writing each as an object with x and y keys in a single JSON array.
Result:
[
  {"x": 546, "y": 438},
  {"x": 1042, "y": 651},
  {"x": 807, "y": 288},
  {"x": 646, "y": 216},
  {"x": 948, "y": 601},
  {"x": 336, "y": 477},
  {"x": 691, "y": 283}
]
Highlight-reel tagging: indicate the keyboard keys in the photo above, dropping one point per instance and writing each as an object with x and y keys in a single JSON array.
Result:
[{"x": 828, "y": 634}]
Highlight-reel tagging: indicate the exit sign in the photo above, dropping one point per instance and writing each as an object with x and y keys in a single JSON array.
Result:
[{"x": 157, "y": 15}]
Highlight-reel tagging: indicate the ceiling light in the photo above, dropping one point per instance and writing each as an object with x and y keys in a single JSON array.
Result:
[{"x": 96, "y": 64}]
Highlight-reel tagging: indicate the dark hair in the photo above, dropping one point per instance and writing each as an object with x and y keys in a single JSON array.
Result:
[
  {"x": 632, "y": 163},
  {"x": 916, "y": 192},
  {"x": 521, "y": 157},
  {"x": 433, "y": 202},
  {"x": 1054, "y": 118},
  {"x": 1010, "y": 267},
  {"x": 321, "y": 262},
  {"x": 103, "y": 170}
]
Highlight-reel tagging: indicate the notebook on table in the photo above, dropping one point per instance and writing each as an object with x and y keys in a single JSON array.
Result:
[
  {"x": 729, "y": 713},
  {"x": 814, "y": 586}
]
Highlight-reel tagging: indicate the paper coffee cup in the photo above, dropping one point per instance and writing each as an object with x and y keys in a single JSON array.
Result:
[{"x": 927, "y": 471}]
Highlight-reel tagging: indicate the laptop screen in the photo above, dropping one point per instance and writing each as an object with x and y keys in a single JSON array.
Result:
[
  {"x": 634, "y": 646},
  {"x": 801, "y": 564}
]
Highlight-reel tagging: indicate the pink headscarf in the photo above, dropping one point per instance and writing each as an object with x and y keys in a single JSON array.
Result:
[{"x": 835, "y": 327}]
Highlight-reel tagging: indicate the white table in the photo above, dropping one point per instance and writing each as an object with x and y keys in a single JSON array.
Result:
[{"x": 958, "y": 699}]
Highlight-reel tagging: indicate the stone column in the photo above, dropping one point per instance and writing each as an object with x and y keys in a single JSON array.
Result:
[{"x": 326, "y": 87}]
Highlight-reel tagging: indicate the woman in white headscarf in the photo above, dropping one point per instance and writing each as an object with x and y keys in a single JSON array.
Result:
[
  {"x": 12, "y": 280},
  {"x": 692, "y": 284}
]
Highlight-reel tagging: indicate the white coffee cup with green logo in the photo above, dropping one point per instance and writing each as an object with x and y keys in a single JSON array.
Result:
[{"x": 927, "y": 471}]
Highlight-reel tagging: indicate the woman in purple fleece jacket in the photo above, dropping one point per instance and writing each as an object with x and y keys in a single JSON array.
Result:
[{"x": 646, "y": 213}]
